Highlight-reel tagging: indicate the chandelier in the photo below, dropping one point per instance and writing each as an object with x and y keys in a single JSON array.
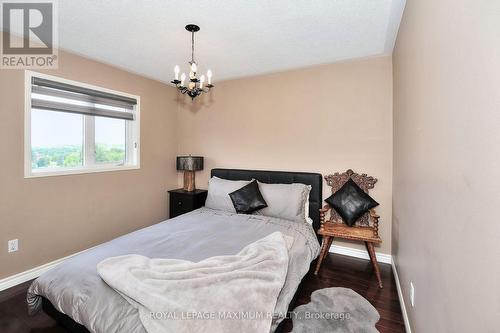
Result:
[{"x": 195, "y": 86}]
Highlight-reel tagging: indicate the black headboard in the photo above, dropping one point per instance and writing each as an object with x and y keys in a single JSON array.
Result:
[{"x": 282, "y": 177}]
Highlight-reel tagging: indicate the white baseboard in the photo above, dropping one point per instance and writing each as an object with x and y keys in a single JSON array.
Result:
[
  {"x": 401, "y": 299},
  {"x": 362, "y": 254},
  {"x": 33, "y": 273}
]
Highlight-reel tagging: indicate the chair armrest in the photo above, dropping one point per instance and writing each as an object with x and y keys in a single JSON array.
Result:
[
  {"x": 322, "y": 213},
  {"x": 374, "y": 216}
]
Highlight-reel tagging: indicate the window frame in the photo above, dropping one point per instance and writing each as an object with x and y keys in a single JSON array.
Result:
[{"x": 132, "y": 133}]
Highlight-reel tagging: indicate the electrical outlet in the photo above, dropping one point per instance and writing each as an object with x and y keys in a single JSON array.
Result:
[
  {"x": 13, "y": 245},
  {"x": 412, "y": 294}
]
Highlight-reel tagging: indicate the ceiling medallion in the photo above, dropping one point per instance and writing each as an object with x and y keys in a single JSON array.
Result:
[{"x": 195, "y": 86}]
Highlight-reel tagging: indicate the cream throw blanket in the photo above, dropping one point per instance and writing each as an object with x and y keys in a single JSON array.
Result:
[{"x": 233, "y": 293}]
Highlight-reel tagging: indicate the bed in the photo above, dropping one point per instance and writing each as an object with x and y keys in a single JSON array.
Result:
[{"x": 75, "y": 295}]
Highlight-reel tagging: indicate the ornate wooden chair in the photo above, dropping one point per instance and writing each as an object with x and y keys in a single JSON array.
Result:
[{"x": 366, "y": 228}]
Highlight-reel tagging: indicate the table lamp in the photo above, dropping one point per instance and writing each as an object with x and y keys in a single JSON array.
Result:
[{"x": 189, "y": 164}]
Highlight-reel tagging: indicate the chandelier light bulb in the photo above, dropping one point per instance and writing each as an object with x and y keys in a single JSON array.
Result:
[
  {"x": 209, "y": 76},
  {"x": 176, "y": 71},
  {"x": 202, "y": 80},
  {"x": 194, "y": 67},
  {"x": 183, "y": 78}
]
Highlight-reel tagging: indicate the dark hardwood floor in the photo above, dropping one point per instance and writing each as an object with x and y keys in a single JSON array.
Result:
[
  {"x": 337, "y": 271},
  {"x": 14, "y": 314},
  {"x": 357, "y": 274}
]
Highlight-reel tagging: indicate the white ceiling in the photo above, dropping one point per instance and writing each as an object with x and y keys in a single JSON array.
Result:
[{"x": 237, "y": 38}]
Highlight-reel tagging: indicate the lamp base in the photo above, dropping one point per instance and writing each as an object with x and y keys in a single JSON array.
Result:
[{"x": 189, "y": 184}]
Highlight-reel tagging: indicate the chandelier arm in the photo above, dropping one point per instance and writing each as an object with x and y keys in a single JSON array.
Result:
[{"x": 197, "y": 91}]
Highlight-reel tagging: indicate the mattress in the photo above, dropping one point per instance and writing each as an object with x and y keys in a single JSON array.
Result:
[{"x": 75, "y": 289}]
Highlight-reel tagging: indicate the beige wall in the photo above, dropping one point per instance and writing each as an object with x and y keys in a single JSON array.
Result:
[
  {"x": 297, "y": 120},
  {"x": 57, "y": 216},
  {"x": 446, "y": 163},
  {"x": 321, "y": 119}
]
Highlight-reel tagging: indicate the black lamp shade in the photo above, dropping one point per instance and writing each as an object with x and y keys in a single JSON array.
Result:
[{"x": 189, "y": 163}]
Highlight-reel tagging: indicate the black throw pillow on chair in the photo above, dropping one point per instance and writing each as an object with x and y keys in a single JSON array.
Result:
[
  {"x": 351, "y": 202},
  {"x": 248, "y": 199}
]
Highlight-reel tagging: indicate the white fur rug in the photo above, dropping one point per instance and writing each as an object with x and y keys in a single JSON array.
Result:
[{"x": 335, "y": 310}]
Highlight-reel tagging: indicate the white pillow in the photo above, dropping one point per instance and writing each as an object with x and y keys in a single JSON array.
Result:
[
  {"x": 218, "y": 193},
  {"x": 286, "y": 201}
]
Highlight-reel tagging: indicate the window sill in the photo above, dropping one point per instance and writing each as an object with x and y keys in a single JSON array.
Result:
[{"x": 78, "y": 171}]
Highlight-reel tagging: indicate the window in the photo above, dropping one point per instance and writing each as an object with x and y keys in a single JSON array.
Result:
[{"x": 77, "y": 128}]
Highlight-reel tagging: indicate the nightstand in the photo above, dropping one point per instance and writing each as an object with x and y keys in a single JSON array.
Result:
[{"x": 183, "y": 201}]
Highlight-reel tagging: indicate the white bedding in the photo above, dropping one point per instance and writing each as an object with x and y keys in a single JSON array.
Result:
[{"x": 75, "y": 288}]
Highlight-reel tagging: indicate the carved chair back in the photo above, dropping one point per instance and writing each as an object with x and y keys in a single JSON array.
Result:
[{"x": 365, "y": 182}]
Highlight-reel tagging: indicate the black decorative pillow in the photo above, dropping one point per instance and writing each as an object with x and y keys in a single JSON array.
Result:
[
  {"x": 351, "y": 202},
  {"x": 248, "y": 199}
]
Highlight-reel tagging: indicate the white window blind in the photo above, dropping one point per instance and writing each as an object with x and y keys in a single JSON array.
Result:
[{"x": 57, "y": 96}]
